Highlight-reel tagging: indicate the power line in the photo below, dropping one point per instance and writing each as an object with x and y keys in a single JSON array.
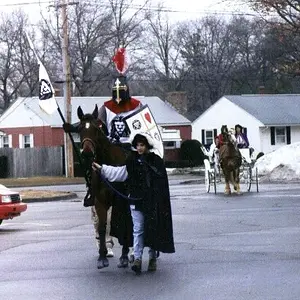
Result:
[
  {"x": 142, "y": 7},
  {"x": 25, "y": 3}
]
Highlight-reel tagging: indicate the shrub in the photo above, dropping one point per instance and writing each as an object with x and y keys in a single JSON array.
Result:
[{"x": 191, "y": 151}]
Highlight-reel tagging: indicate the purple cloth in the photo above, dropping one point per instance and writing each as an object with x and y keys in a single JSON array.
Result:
[{"x": 244, "y": 145}]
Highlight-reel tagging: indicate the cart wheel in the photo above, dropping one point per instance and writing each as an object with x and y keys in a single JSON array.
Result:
[
  {"x": 207, "y": 180},
  {"x": 256, "y": 179},
  {"x": 249, "y": 178},
  {"x": 214, "y": 178}
]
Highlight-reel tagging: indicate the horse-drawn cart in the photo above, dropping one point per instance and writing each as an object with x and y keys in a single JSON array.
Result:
[
  {"x": 210, "y": 176},
  {"x": 248, "y": 172},
  {"x": 213, "y": 171}
]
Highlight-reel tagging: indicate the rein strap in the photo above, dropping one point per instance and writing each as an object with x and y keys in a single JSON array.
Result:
[{"x": 114, "y": 189}]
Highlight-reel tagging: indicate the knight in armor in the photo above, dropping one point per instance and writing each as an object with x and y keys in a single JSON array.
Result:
[
  {"x": 113, "y": 111},
  {"x": 111, "y": 115}
]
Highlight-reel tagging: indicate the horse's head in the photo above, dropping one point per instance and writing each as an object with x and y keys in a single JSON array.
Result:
[
  {"x": 89, "y": 131},
  {"x": 226, "y": 137}
]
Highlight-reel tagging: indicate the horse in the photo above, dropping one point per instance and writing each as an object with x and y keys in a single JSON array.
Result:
[
  {"x": 230, "y": 162},
  {"x": 96, "y": 147}
]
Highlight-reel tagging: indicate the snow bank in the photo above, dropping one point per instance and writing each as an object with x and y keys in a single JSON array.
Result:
[{"x": 281, "y": 164}]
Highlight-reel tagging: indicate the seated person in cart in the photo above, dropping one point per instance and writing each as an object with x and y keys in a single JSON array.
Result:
[{"x": 241, "y": 137}]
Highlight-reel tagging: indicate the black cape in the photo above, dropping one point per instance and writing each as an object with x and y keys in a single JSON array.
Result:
[
  {"x": 121, "y": 220},
  {"x": 148, "y": 180}
]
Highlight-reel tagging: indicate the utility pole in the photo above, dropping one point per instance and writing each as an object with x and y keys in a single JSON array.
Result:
[{"x": 67, "y": 87}]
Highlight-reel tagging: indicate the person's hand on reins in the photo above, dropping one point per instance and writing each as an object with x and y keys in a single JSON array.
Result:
[{"x": 96, "y": 167}]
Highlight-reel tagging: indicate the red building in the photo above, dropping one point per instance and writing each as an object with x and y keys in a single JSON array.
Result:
[{"x": 24, "y": 124}]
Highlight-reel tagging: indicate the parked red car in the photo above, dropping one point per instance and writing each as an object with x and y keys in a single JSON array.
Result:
[{"x": 11, "y": 205}]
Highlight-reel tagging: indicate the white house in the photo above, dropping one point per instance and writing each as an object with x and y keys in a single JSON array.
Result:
[{"x": 271, "y": 121}]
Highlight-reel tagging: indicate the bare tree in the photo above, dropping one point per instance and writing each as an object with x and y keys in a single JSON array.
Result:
[
  {"x": 253, "y": 62},
  {"x": 288, "y": 10},
  {"x": 90, "y": 36},
  {"x": 91, "y": 44},
  {"x": 96, "y": 30},
  {"x": 210, "y": 52},
  {"x": 15, "y": 62},
  {"x": 163, "y": 52},
  {"x": 128, "y": 19},
  {"x": 129, "y": 24}
]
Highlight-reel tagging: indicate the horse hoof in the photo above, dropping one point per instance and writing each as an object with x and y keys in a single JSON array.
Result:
[
  {"x": 102, "y": 263},
  {"x": 227, "y": 192},
  {"x": 123, "y": 262}
]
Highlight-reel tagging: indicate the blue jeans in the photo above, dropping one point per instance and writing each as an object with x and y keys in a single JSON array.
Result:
[{"x": 138, "y": 234}]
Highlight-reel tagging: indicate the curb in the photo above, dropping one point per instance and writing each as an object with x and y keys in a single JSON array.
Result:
[
  {"x": 49, "y": 199},
  {"x": 260, "y": 182}
]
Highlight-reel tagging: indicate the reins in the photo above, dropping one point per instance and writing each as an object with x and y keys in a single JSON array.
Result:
[
  {"x": 108, "y": 184},
  {"x": 114, "y": 189}
]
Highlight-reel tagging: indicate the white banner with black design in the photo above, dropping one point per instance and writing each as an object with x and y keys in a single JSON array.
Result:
[
  {"x": 142, "y": 120},
  {"x": 47, "y": 100}
]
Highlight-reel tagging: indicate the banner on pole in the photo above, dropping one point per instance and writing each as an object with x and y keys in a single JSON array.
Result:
[{"x": 47, "y": 100}]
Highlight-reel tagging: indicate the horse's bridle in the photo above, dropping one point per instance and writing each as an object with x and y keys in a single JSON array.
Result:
[{"x": 91, "y": 141}]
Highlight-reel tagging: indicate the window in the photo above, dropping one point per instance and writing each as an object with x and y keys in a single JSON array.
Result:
[
  {"x": 209, "y": 137},
  {"x": 169, "y": 145},
  {"x": 26, "y": 140},
  {"x": 6, "y": 141},
  {"x": 280, "y": 135}
]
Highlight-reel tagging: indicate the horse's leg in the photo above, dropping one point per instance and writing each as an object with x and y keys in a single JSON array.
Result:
[
  {"x": 108, "y": 238},
  {"x": 102, "y": 218},
  {"x": 227, "y": 190},
  {"x": 237, "y": 180},
  {"x": 233, "y": 180},
  {"x": 124, "y": 259}
]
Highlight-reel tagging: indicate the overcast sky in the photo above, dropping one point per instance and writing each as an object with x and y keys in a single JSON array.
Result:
[{"x": 177, "y": 9}]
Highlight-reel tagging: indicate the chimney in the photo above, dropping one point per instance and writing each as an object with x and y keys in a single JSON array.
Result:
[
  {"x": 57, "y": 92},
  {"x": 261, "y": 89},
  {"x": 179, "y": 101}
]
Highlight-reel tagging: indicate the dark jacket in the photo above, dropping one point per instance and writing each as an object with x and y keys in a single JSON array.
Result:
[{"x": 148, "y": 180}]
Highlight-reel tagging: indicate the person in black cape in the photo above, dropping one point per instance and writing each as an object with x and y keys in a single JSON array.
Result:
[{"x": 149, "y": 198}]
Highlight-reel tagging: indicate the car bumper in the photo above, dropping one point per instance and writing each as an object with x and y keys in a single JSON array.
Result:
[{"x": 11, "y": 210}]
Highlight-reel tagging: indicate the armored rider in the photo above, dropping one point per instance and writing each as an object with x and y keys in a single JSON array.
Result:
[{"x": 111, "y": 116}]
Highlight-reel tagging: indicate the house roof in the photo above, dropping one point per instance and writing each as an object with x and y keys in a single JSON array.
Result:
[
  {"x": 163, "y": 113},
  {"x": 272, "y": 109}
]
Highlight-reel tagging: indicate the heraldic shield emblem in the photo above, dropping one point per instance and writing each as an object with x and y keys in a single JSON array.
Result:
[
  {"x": 142, "y": 121},
  {"x": 45, "y": 90}
]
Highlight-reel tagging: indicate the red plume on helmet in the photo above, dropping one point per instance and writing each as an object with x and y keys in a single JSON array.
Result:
[{"x": 120, "y": 60}]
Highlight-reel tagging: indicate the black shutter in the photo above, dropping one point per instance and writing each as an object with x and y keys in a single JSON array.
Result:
[
  {"x": 288, "y": 134},
  {"x": 203, "y": 136},
  {"x": 272, "y": 135},
  {"x": 215, "y": 133}
]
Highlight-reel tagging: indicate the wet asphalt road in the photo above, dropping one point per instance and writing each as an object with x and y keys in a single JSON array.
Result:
[{"x": 227, "y": 247}]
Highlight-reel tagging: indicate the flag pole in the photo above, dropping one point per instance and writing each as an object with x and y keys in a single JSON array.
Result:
[
  {"x": 47, "y": 101},
  {"x": 71, "y": 139},
  {"x": 67, "y": 87}
]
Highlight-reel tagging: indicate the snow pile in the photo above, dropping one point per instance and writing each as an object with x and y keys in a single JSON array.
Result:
[{"x": 282, "y": 164}]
